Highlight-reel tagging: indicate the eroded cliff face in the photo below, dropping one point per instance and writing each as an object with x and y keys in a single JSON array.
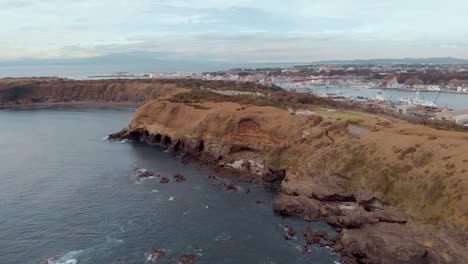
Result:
[
  {"x": 396, "y": 192},
  {"x": 45, "y": 91},
  {"x": 227, "y": 134}
]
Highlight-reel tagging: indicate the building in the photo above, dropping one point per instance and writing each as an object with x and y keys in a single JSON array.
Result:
[
  {"x": 170, "y": 75},
  {"x": 393, "y": 83},
  {"x": 458, "y": 116},
  {"x": 404, "y": 109},
  {"x": 433, "y": 88}
]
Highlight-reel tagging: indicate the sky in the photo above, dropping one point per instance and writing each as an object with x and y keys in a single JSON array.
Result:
[{"x": 254, "y": 31}]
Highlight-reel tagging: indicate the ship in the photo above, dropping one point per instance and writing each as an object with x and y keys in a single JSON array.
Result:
[
  {"x": 379, "y": 97},
  {"x": 416, "y": 101}
]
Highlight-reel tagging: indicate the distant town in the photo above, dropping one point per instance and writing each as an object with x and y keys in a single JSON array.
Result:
[
  {"x": 439, "y": 78},
  {"x": 422, "y": 91}
]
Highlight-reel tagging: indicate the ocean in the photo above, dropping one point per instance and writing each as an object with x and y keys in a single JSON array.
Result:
[{"x": 68, "y": 195}]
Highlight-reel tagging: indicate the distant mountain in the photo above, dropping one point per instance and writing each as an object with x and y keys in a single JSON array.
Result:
[
  {"x": 132, "y": 62},
  {"x": 443, "y": 60},
  {"x": 145, "y": 62}
]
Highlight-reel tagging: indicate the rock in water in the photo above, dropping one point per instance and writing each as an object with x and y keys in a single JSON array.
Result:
[
  {"x": 164, "y": 180},
  {"x": 179, "y": 177},
  {"x": 321, "y": 234},
  {"x": 231, "y": 187},
  {"x": 309, "y": 235},
  {"x": 305, "y": 249},
  {"x": 274, "y": 175},
  {"x": 185, "y": 258},
  {"x": 155, "y": 254},
  {"x": 145, "y": 174},
  {"x": 291, "y": 232}
]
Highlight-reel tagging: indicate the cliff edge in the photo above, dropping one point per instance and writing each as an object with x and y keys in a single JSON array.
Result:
[
  {"x": 53, "y": 91},
  {"x": 396, "y": 192}
]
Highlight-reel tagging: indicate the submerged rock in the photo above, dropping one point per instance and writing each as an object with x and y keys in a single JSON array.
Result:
[
  {"x": 291, "y": 232},
  {"x": 321, "y": 234},
  {"x": 185, "y": 258},
  {"x": 305, "y": 249},
  {"x": 145, "y": 174},
  {"x": 179, "y": 177},
  {"x": 164, "y": 180},
  {"x": 231, "y": 187},
  {"x": 155, "y": 254},
  {"x": 309, "y": 235}
]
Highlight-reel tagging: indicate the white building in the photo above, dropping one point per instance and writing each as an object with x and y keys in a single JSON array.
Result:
[{"x": 458, "y": 116}]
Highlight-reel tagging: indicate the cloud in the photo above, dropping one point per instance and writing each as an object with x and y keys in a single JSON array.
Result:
[
  {"x": 233, "y": 30},
  {"x": 15, "y": 4}
]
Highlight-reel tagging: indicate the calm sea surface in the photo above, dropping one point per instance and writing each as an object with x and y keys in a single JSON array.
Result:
[{"x": 70, "y": 196}]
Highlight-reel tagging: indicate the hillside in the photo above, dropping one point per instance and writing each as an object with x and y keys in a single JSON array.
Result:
[
  {"x": 49, "y": 91},
  {"x": 367, "y": 175},
  {"x": 396, "y": 192}
]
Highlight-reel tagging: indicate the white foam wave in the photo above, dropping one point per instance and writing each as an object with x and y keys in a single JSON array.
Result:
[
  {"x": 223, "y": 237},
  {"x": 69, "y": 258},
  {"x": 111, "y": 240}
]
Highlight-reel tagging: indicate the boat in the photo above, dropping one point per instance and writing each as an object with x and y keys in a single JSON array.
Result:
[
  {"x": 416, "y": 101},
  {"x": 379, "y": 97}
]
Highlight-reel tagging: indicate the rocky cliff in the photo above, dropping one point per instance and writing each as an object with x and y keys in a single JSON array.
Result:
[
  {"x": 395, "y": 191},
  {"x": 48, "y": 91}
]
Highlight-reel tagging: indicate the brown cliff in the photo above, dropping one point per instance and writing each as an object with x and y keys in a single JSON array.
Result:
[
  {"x": 50, "y": 91},
  {"x": 396, "y": 191}
]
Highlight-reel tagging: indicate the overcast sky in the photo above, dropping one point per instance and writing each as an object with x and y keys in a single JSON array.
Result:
[{"x": 236, "y": 30}]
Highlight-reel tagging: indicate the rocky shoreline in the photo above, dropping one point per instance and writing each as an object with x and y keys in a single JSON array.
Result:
[
  {"x": 395, "y": 192},
  {"x": 370, "y": 231}
]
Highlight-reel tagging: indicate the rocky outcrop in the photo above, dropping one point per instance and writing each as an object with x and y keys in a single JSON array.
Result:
[
  {"x": 239, "y": 144},
  {"x": 49, "y": 91},
  {"x": 396, "y": 192},
  {"x": 387, "y": 198},
  {"x": 397, "y": 243}
]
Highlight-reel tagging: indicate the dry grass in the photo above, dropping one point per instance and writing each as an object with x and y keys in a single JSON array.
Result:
[{"x": 344, "y": 115}]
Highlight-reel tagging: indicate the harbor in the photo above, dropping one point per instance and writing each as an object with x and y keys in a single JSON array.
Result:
[
  {"x": 441, "y": 100},
  {"x": 424, "y": 106}
]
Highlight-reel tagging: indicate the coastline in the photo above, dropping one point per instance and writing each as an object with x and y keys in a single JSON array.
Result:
[
  {"x": 407, "y": 192},
  {"x": 371, "y": 230},
  {"x": 96, "y": 104},
  {"x": 415, "y": 90}
]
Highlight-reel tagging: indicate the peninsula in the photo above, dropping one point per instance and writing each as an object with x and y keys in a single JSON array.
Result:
[{"x": 396, "y": 192}]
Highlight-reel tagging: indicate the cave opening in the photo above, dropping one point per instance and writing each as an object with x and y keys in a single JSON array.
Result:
[
  {"x": 201, "y": 146},
  {"x": 167, "y": 141},
  {"x": 178, "y": 146},
  {"x": 236, "y": 148},
  {"x": 158, "y": 138}
]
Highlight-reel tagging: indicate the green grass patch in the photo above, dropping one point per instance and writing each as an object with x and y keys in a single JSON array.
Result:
[{"x": 195, "y": 96}]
